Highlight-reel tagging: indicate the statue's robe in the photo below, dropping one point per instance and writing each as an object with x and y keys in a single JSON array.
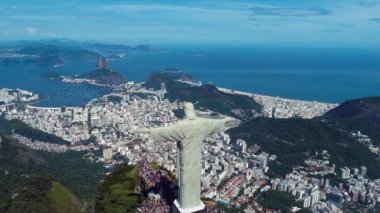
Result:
[{"x": 189, "y": 135}]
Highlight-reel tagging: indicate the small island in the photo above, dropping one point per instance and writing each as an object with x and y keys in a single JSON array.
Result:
[{"x": 103, "y": 75}]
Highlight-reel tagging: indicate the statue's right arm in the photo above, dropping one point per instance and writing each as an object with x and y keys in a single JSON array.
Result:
[{"x": 169, "y": 133}]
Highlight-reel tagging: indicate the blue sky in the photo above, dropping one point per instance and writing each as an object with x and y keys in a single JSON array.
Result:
[{"x": 346, "y": 22}]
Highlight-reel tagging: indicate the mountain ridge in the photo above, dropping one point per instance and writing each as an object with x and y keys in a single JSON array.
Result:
[
  {"x": 207, "y": 96},
  {"x": 361, "y": 114},
  {"x": 40, "y": 193}
]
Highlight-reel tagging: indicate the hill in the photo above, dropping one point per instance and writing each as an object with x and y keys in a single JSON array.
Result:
[
  {"x": 293, "y": 139},
  {"x": 207, "y": 96},
  {"x": 40, "y": 193},
  {"x": 17, "y": 126},
  {"x": 18, "y": 162},
  {"x": 177, "y": 74},
  {"x": 105, "y": 76},
  {"x": 120, "y": 191},
  {"x": 358, "y": 115},
  {"x": 58, "y": 51},
  {"x": 45, "y": 52}
]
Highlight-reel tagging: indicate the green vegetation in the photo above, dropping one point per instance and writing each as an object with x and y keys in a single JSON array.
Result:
[
  {"x": 105, "y": 76},
  {"x": 277, "y": 200},
  {"x": 79, "y": 175},
  {"x": 40, "y": 193},
  {"x": 334, "y": 180},
  {"x": 207, "y": 96},
  {"x": 17, "y": 161},
  {"x": 358, "y": 115},
  {"x": 224, "y": 208},
  {"x": 17, "y": 126},
  {"x": 91, "y": 139},
  {"x": 62, "y": 198},
  {"x": 292, "y": 139},
  {"x": 50, "y": 54},
  {"x": 176, "y": 74},
  {"x": 120, "y": 191},
  {"x": 114, "y": 99},
  {"x": 354, "y": 207}
]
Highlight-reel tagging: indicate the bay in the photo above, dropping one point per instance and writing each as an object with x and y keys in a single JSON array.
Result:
[{"x": 308, "y": 73}]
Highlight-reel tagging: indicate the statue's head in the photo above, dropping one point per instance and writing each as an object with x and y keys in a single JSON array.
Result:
[{"x": 188, "y": 107}]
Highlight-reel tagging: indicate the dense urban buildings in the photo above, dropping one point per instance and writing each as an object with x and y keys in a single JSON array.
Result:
[{"x": 232, "y": 173}]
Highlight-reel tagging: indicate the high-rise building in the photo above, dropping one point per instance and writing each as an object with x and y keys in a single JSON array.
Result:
[
  {"x": 299, "y": 194},
  {"x": 345, "y": 172},
  {"x": 163, "y": 87},
  {"x": 242, "y": 145},
  {"x": 263, "y": 160},
  {"x": 306, "y": 202},
  {"x": 356, "y": 171},
  {"x": 107, "y": 154},
  {"x": 363, "y": 171},
  {"x": 283, "y": 185},
  {"x": 275, "y": 183},
  {"x": 249, "y": 175},
  {"x": 327, "y": 183},
  {"x": 315, "y": 196}
]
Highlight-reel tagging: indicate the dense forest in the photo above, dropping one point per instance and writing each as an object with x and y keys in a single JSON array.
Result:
[
  {"x": 119, "y": 191},
  {"x": 358, "y": 115},
  {"x": 17, "y": 126},
  {"x": 18, "y": 162},
  {"x": 277, "y": 200},
  {"x": 105, "y": 76},
  {"x": 40, "y": 193},
  {"x": 207, "y": 97}
]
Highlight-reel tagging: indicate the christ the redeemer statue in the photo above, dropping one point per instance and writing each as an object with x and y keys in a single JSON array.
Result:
[{"x": 189, "y": 134}]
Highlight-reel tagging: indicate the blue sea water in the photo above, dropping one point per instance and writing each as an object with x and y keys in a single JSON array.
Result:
[
  {"x": 29, "y": 77},
  {"x": 314, "y": 73}
]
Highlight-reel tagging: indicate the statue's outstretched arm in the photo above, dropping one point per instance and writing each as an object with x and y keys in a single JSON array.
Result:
[
  {"x": 229, "y": 122},
  {"x": 168, "y": 133},
  {"x": 219, "y": 125},
  {"x": 142, "y": 130}
]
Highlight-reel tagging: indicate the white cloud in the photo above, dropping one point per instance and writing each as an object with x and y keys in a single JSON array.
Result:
[
  {"x": 288, "y": 11},
  {"x": 51, "y": 34},
  {"x": 36, "y": 17},
  {"x": 31, "y": 30}
]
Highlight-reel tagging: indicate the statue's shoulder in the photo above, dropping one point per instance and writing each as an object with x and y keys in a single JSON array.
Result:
[
  {"x": 194, "y": 121},
  {"x": 206, "y": 120}
]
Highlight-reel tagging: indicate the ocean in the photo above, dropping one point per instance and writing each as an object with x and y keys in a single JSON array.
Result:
[{"x": 315, "y": 73}]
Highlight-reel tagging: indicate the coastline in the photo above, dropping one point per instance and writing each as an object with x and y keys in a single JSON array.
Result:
[{"x": 276, "y": 107}]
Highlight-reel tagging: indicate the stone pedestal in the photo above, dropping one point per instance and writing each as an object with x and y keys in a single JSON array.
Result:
[{"x": 198, "y": 209}]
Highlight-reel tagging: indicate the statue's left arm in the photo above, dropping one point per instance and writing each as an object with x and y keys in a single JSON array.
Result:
[{"x": 218, "y": 125}]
